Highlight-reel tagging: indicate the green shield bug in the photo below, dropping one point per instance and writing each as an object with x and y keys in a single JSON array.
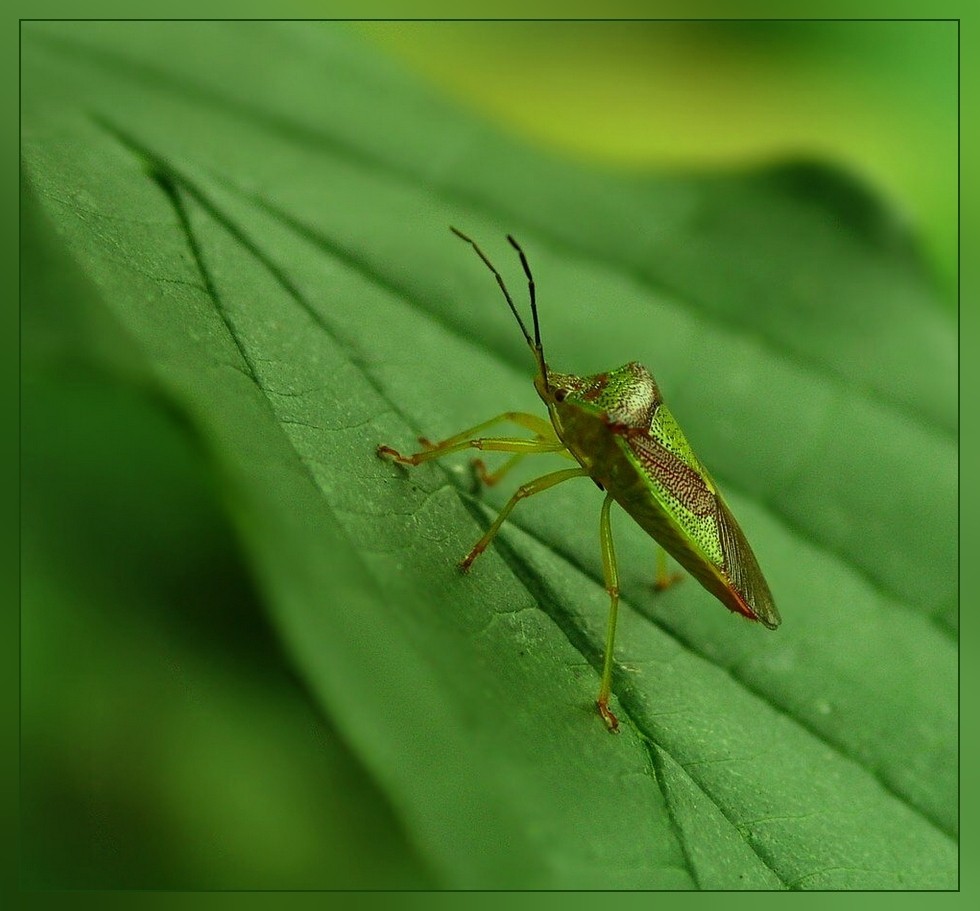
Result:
[{"x": 618, "y": 430}]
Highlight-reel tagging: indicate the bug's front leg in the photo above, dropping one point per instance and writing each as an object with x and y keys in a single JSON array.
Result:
[
  {"x": 610, "y": 572},
  {"x": 489, "y": 478},
  {"x": 486, "y": 444},
  {"x": 466, "y": 438}
]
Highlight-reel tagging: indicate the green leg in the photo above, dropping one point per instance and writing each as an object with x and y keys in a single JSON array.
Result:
[
  {"x": 610, "y": 573},
  {"x": 488, "y": 444},
  {"x": 490, "y": 478},
  {"x": 664, "y": 578},
  {"x": 545, "y": 440},
  {"x": 522, "y": 492},
  {"x": 540, "y": 426}
]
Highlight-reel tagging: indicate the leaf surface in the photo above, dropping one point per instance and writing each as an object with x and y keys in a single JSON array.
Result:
[{"x": 262, "y": 211}]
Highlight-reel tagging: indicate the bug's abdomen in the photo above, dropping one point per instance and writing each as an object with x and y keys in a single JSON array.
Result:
[
  {"x": 713, "y": 566},
  {"x": 678, "y": 506}
]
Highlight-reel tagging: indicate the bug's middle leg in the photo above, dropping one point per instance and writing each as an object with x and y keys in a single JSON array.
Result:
[{"x": 522, "y": 492}]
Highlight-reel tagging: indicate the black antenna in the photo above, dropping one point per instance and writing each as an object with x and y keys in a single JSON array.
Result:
[
  {"x": 531, "y": 344},
  {"x": 534, "y": 345},
  {"x": 530, "y": 288}
]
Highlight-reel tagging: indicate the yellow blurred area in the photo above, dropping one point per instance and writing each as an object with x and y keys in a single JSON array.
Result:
[{"x": 876, "y": 97}]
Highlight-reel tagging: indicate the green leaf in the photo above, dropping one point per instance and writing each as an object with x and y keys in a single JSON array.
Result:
[
  {"x": 169, "y": 742},
  {"x": 260, "y": 212}
]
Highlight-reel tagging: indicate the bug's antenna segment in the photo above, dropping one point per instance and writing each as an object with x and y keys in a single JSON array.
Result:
[
  {"x": 530, "y": 288},
  {"x": 503, "y": 287}
]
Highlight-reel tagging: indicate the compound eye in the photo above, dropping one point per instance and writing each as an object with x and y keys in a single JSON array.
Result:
[{"x": 560, "y": 395}]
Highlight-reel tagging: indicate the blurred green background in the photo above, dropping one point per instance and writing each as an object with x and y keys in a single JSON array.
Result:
[
  {"x": 877, "y": 98},
  {"x": 169, "y": 739}
]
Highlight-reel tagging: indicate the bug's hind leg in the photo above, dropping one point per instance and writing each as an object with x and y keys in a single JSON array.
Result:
[
  {"x": 664, "y": 578},
  {"x": 610, "y": 572}
]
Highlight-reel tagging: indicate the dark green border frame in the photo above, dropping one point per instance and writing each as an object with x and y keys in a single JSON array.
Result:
[{"x": 969, "y": 290}]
